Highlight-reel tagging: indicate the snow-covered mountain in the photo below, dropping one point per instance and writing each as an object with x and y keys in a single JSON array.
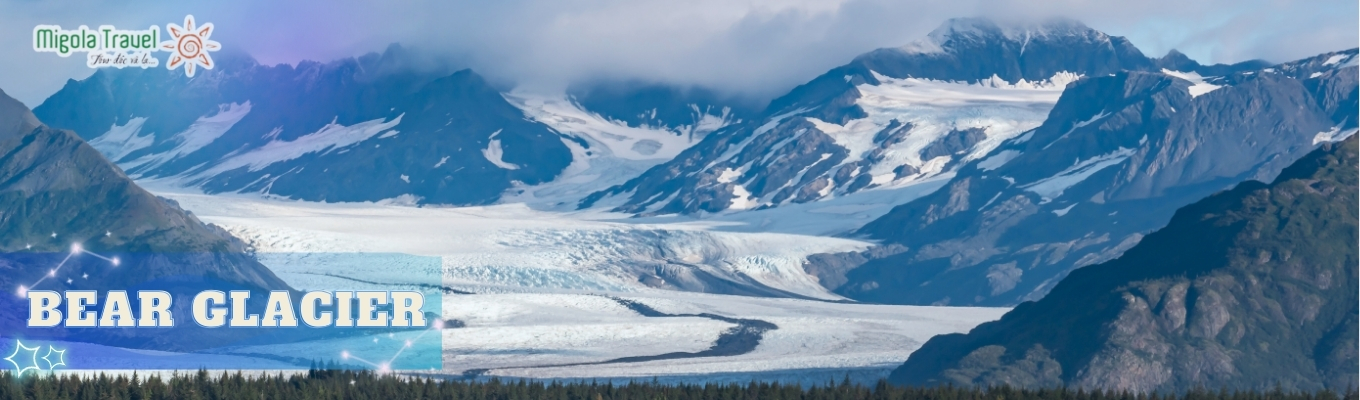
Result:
[
  {"x": 890, "y": 118},
  {"x": 1113, "y": 160},
  {"x": 1055, "y": 145},
  {"x": 362, "y": 129}
]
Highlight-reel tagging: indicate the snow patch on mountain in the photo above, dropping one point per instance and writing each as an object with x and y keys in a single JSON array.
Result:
[
  {"x": 613, "y": 138},
  {"x": 329, "y": 138},
  {"x": 922, "y": 46},
  {"x": 605, "y": 152},
  {"x": 1198, "y": 85},
  {"x": 934, "y": 109},
  {"x": 122, "y": 140},
  {"x": 493, "y": 152},
  {"x": 588, "y": 172},
  {"x": 201, "y": 133},
  {"x": 997, "y": 160},
  {"x": 1078, "y": 125},
  {"x": 1051, "y": 187},
  {"x": 207, "y": 129},
  {"x": 1333, "y": 135},
  {"x": 728, "y": 175},
  {"x": 774, "y": 121},
  {"x": 741, "y": 199},
  {"x": 707, "y": 122},
  {"x": 1063, "y": 211}
]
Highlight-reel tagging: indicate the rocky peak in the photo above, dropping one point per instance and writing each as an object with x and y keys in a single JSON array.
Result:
[
  {"x": 15, "y": 118},
  {"x": 957, "y": 32}
]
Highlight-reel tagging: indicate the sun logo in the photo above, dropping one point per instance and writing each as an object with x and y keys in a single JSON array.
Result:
[{"x": 190, "y": 46}]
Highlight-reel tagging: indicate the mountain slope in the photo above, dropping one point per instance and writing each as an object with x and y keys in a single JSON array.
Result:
[
  {"x": 56, "y": 190},
  {"x": 1249, "y": 288},
  {"x": 1114, "y": 159}
]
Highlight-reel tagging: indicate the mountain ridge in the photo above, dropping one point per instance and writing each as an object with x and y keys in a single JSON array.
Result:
[
  {"x": 1113, "y": 160},
  {"x": 882, "y": 94},
  {"x": 279, "y": 130},
  {"x": 1262, "y": 298}
]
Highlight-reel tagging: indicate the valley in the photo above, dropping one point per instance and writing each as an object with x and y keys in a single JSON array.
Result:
[
  {"x": 548, "y": 295},
  {"x": 621, "y": 230}
]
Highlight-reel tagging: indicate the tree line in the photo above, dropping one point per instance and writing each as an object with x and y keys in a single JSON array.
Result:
[{"x": 356, "y": 384}]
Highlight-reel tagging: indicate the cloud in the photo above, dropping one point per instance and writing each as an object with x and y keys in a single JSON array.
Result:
[{"x": 752, "y": 47}]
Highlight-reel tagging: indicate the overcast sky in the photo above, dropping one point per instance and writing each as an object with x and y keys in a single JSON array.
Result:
[{"x": 753, "y": 47}]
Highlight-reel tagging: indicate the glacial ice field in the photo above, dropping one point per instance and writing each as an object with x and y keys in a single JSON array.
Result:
[{"x": 553, "y": 295}]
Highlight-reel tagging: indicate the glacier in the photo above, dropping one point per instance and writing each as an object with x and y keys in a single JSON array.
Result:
[{"x": 543, "y": 288}]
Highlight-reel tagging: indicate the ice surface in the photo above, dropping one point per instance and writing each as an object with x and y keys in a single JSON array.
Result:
[
  {"x": 513, "y": 247},
  {"x": 811, "y": 336},
  {"x": 519, "y": 330},
  {"x": 543, "y": 281},
  {"x": 833, "y": 216}
]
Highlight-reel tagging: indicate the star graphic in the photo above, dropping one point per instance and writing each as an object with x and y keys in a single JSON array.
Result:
[
  {"x": 61, "y": 357},
  {"x": 30, "y": 353},
  {"x": 190, "y": 46},
  {"x": 84, "y": 276}
]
